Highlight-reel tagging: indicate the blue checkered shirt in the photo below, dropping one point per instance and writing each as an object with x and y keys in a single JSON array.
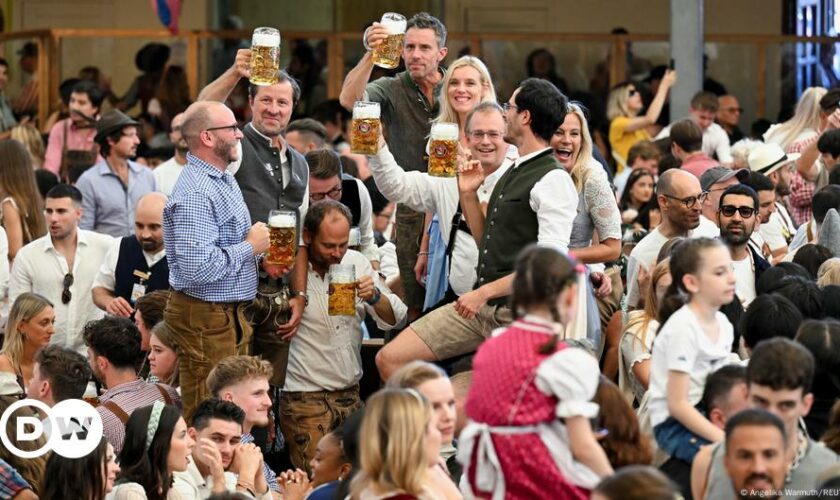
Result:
[
  {"x": 270, "y": 475},
  {"x": 11, "y": 483},
  {"x": 205, "y": 223}
]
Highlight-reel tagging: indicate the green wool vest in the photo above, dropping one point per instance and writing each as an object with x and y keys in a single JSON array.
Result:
[{"x": 511, "y": 224}]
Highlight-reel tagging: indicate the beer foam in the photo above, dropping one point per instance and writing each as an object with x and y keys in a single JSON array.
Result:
[
  {"x": 392, "y": 26},
  {"x": 371, "y": 110},
  {"x": 266, "y": 39},
  {"x": 282, "y": 220},
  {"x": 444, "y": 131}
]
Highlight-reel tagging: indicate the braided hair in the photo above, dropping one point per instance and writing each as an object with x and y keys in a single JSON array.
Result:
[{"x": 541, "y": 275}]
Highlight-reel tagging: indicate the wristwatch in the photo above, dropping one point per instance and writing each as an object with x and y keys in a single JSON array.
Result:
[
  {"x": 300, "y": 294},
  {"x": 377, "y": 295}
]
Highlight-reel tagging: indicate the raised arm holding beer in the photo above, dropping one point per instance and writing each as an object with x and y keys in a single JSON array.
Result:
[
  {"x": 407, "y": 106},
  {"x": 272, "y": 176}
]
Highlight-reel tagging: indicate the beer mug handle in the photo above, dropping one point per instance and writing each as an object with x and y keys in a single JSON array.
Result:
[{"x": 364, "y": 40}]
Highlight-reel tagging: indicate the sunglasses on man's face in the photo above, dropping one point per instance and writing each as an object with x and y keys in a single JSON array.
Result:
[
  {"x": 744, "y": 212},
  {"x": 66, "y": 295}
]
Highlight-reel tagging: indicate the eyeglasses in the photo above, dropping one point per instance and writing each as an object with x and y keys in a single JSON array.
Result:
[
  {"x": 508, "y": 106},
  {"x": 232, "y": 128},
  {"x": 66, "y": 295},
  {"x": 332, "y": 193},
  {"x": 744, "y": 212},
  {"x": 733, "y": 110},
  {"x": 690, "y": 201},
  {"x": 478, "y": 135}
]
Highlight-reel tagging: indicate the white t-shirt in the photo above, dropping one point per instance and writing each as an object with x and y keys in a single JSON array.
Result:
[
  {"x": 683, "y": 346},
  {"x": 779, "y": 230},
  {"x": 706, "y": 229},
  {"x": 166, "y": 175},
  {"x": 644, "y": 254},
  {"x": 745, "y": 279}
]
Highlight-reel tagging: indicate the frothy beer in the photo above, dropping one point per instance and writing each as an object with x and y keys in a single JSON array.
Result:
[
  {"x": 387, "y": 54},
  {"x": 364, "y": 131},
  {"x": 342, "y": 290},
  {"x": 443, "y": 150},
  {"x": 265, "y": 56},
  {"x": 281, "y": 228}
]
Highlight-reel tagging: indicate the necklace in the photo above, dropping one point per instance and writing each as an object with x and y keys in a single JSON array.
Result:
[{"x": 801, "y": 449}]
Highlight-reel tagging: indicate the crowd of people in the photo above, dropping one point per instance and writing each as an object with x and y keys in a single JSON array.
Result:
[{"x": 650, "y": 313}]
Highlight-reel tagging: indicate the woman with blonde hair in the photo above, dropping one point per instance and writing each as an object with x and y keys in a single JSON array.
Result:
[
  {"x": 804, "y": 122},
  {"x": 21, "y": 205},
  {"x": 399, "y": 458},
  {"x": 637, "y": 338},
  {"x": 431, "y": 381},
  {"x": 465, "y": 84},
  {"x": 623, "y": 107},
  {"x": 31, "y": 139},
  {"x": 30, "y": 325},
  {"x": 829, "y": 273}
]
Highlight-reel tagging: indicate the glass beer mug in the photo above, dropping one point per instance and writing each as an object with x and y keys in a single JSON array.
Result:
[
  {"x": 265, "y": 56},
  {"x": 443, "y": 150},
  {"x": 355, "y": 241},
  {"x": 387, "y": 54},
  {"x": 282, "y": 229},
  {"x": 364, "y": 131},
  {"x": 342, "y": 290}
]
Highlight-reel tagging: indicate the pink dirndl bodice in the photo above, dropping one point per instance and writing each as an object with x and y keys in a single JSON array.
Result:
[{"x": 503, "y": 394}]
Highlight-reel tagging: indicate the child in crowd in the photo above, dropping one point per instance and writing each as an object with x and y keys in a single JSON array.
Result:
[
  {"x": 530, "y": 402},
  {"x": 431, "y": 381},
  {"x": 695, "y": 339}
]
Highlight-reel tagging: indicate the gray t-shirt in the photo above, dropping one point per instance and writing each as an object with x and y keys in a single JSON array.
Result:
[
  {"x": 406, "y": 115},
  {"x": 817, "y": 459}
]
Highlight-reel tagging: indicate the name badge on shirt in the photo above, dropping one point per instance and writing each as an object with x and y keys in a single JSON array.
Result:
[{"x": 139, "y": 289}]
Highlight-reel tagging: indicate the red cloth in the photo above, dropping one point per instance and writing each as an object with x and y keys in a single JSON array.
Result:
[
  {"x": 503, "y": 393},
  {"x": 698, "y": 164}
]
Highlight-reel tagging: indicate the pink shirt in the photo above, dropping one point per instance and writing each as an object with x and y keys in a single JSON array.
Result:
[
  {"x": 698, "y": 164},
  {"x": 77, "y": 138}
]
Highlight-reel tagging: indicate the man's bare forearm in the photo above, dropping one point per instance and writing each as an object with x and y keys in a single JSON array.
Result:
[
  {"x": 474, "y": 214},
  {"x": 220, "y": 88},
  {"x": 354, "y": 84}
]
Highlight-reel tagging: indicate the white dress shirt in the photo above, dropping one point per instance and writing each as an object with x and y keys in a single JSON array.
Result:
[
  {"x": 555, "y": 200},
  {"x": 106, "y": 277},
  {"x": 424, "y": 193},
  {"x": 41, "y": 269},
  {"x": 191, "y": 485},
  {"x": 325, "y": 355},
  {"x": 715, "y": 142},
  {"x": 166, "y": 175},
  {"x": 367, "y": 245}
]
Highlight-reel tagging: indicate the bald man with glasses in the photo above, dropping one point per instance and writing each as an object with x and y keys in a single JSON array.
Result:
[
  {"x": 211, "y": 247},
  {"x": 680, "y": 199}
]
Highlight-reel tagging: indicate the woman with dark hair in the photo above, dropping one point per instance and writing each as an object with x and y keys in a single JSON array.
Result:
[
  {"x": 618, "y": 428},
  {"x": 638, "y": 206},
  {"x": 811, "y": 257},
  {"x": 156, "y": 445},
  {"x": 87, "y": 478},
  {"x": 637, "y": 483},
  {"x": 772, "y": 279},
  {"x": 822, "y": 338}
]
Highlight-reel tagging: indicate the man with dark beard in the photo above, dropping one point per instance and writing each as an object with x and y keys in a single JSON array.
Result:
[
  {"x": 755, "y": 458},
  {"x": 135, "y": 265},
  {"x": 771, "y": 160},
  {"x": 167, "y": 173},
  {"x": 737, "y": 216}
]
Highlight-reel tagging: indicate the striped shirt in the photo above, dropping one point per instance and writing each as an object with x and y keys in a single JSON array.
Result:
[
  {"x": 205, "y": 223},
  {"x": 270, "y": 476},
  {"x": 128, "y": 397}
]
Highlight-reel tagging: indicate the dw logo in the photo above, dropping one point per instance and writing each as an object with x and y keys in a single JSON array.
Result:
[{"x": 73, "y": 428}]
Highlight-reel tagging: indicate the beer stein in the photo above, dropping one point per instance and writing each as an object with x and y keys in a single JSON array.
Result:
[
  {"x": 342, "y": 300},
  {"x": 265, "y": 56},
  {"x": 282, "y": 229}
]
